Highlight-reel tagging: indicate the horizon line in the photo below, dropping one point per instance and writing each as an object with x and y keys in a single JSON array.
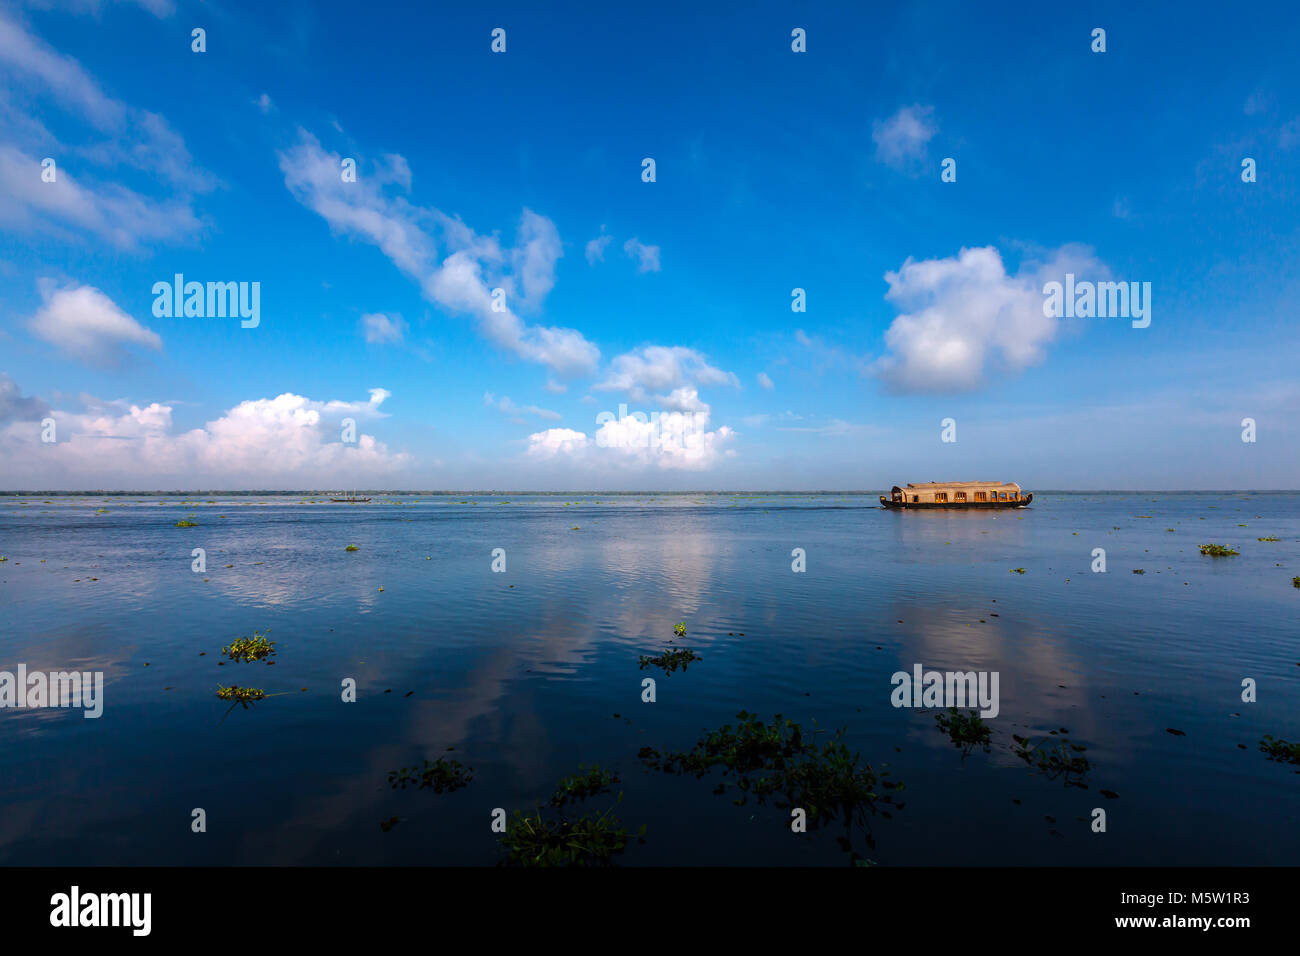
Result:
[{"x": 486, "y": 491}]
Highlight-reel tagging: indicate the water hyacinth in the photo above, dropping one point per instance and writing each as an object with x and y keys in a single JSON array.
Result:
[
  {"x": 253, "y": 648},
  {"x": 1217, "y": 550}
]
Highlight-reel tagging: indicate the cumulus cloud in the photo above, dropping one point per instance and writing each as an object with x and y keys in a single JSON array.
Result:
[
  {"x": 963, "y": 314},
  {"x": 264, "y": 103},
  {"x": 661, "y": 368},
  {"x": 684, "y": 399},
  {"x": 665, "y": 441},
  {"x": 381, "y": 329},
  {"x": 765, "y": 381},
  {"x": 647, "y": 256},
  {"x": 289, "y": 441},
  {"x": 456, "y": 268},
  {"x": 556, "y": 441},
  {"x": 86, "y": 324},
  {"x": 902, "y": 138}
]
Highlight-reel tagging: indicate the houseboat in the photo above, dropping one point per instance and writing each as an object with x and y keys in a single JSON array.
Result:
[{"x": 957, "y": 494}]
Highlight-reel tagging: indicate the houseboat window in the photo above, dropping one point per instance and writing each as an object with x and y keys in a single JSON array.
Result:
[
  {"x": 941, "y": 496},
  {"x": 981, "y": 496},
  {"x": 1015, "y": 496},
  {"x": 916, "y": 498},
  {"x": 960, "y": 496}
]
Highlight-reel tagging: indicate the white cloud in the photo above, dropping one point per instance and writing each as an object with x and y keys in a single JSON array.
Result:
[
  {"x": 537, "y": 249},
  {"x": 901, "y": 140},
  {"x": 659, "y": 368},
  {"x": 667, "y": 441},
  {"x": 684, "y": 399},
  {"x": 471, "y": 267},
  {"x": 86, "y": 324},
  {"x": 596, "y": 249},
  {"x": 765, "y": 380},
  {"x": 647, "y": 256},
  {"x": 555, "y": 441},
  {"x": 289, "y": 441},
  {"x": 962, "y": 314},
  {"x": 380, "y": 329},
  {"x": 118, "y": 214},
  {"x": 393, "y": 168},
  {"x": 264, "y": 103},
  {"x": 159, "y": 8},
  {"x": 121, "y": 136}
]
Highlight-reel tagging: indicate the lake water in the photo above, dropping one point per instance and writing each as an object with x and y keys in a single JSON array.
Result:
[{"x": 523, "y": 672}]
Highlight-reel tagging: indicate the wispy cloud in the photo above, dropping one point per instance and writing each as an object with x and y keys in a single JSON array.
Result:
[
  {"x": 901, "y": 139},
  {"x": 596, "y": 249},
  {"x": 647, "y": 257},
  {"x": 381, "y": 329},
  {"x": 117, "y": 136},
  {"x": 517, "y": 412},
  {"x": 472, "y": 265}
]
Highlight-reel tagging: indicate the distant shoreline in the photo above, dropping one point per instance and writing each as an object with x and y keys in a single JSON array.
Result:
[{"x": 263, "y": 493}]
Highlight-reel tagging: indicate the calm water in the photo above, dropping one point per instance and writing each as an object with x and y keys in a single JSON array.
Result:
[{"x": 522, "y": 672}]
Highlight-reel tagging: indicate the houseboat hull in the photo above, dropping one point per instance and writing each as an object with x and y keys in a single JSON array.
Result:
[{"x": 954, "y": 505}]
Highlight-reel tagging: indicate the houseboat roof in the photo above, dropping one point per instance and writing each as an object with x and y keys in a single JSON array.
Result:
[{"x": 939, "y": 485}]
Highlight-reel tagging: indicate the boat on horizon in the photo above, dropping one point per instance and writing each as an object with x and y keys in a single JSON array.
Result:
[
  {"x": 975, "y": 495},
  {"x": 352, "y": 500}
]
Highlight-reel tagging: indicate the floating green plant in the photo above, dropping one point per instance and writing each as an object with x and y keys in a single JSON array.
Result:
[
  {"x": 1217, "y": 550},
  {"x": 1017, "y": 570},
  {"x": 352, "y": 547},
  {"x": 584, "y": 784},
  {"x": 680, "y": 629},
  {"x": 965, "y": 731},
  {"x": 253, "y": 648},
  {"x": 440, "y": 776},
  {"x": 3, "y": 559},
  {"x": 240, "y": 695},
  {"x": 187, "y": 524},
  {"x": 1295, "y": 582},
  {"x": 781, "y": 764},
  {"x": 671, "y": 659},
  {"x": 593, "y": 839},
  {"x": 1280, "y": 750},
  {"x": 1268, "y": 539},
  {"x": 1055, "y": 758}
]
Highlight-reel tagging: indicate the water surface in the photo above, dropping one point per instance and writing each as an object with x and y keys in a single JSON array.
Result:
[{"x": 522, "y": 672}]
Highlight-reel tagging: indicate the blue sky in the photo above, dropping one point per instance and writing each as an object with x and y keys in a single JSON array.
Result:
[{"x": 522, "y": 171}]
